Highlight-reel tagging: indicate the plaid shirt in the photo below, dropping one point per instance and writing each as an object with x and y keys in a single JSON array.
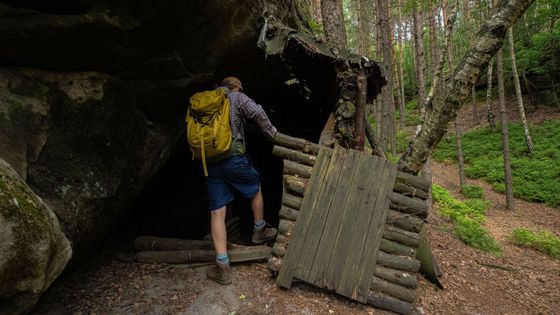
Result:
[{"x": 243, "y": 108}]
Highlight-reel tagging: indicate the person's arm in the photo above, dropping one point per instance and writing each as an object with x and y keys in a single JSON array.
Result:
[{"x": 256, "y": 113}]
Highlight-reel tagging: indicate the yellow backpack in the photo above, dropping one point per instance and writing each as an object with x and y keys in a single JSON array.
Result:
[{"x": 208, "y": 128}]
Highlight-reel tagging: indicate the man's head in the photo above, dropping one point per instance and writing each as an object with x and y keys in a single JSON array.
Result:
[{"x": 232, "y": 83}]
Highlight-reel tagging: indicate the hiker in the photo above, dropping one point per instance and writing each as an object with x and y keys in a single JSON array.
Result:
[{"x": 235, "y": 172}]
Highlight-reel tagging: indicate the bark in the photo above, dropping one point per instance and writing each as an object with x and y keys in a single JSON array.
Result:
[
  {"x": 360, "y": 35},
  {"x": 333, "y": 23},
  {"x": 366, "y": 16},
  {"x": 433, "y": 40},
  {"x": 505, "y": 132},
  {"x": 388, "y": 97},
  {"x": 489, "y": 39},
  {"x": 419, "y": 58},
  {"x": 401, "y": 72},
  {"x": 489, "y": 107},
  {"x": 520, "y": 106}
]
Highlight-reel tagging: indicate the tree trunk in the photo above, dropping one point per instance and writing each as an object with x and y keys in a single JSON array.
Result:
[
  {"x": 401, "y": 72},
  {"x": 433, "y": 39},
  {"x": 489, "y": 39},
  {"x": 474, "y": 113},
  {"x": 388, "y": 97},
  {"x": 359, "y": 37},
  {"x": 489, "y": 106},
  {"x": 505, "y": 132},
  {"x": 520, "y": 106},
  {"x": 333, "y": 23},
  {"x": 419, "y": 57},
  {"x": 366, "y": 30}
]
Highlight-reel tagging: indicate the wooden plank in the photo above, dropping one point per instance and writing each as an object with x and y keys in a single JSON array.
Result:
[
  {"x": 236, "y": 254},
  {"x": 376, "y": 228},
  {"x": 354, "y": 225},
  {"x": 293, "y": 168},
  {"x": 350, "y": 169},
  {"x": 322, "y": 209},
  {"x": 316, "y": 181},
  {"x": 294, "y": 155}
]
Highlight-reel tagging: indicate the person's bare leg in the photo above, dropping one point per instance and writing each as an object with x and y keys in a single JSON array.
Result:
[
  {"x": 218, "y": 228},
  {"x": 257, "y": 205}
]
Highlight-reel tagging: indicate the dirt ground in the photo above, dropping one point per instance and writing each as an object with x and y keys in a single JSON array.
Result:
[{"x": 522, "y": 281}]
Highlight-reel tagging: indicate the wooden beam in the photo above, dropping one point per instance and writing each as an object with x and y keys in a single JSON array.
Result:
[
  {"x": 398, "y": 262},
  {"x": 408, "y": 222},
  {"x": 293, "y": 168},
  {"x": 410, "y": 191},
  {"x": 296, "y": 143},
  {"x": 409, "y": 205},
  {"x": 407, "y": 279},
  {"x": 294, "y": 155},
  {"x": 237, "y": 254},
  {"x": 387, "y": 302},
  {"x": 401, "y": 236},
  {"x": 395, "y": 248},
  {"x": 288, "y": 213},
  {"x": 414, "y": 181},
  {"x": 291, "y": 201},
  {"x": 295, "y": 184},
  {"x": 395, "y": 290}
]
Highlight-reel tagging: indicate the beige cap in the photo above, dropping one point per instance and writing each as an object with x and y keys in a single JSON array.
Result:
[{"x": 232, "y": 83}]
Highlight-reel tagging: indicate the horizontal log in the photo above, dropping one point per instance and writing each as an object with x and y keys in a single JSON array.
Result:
[
  {"x": 401, "y": 236},
  {"x": 238, "y": 254},
  {"x": 291, "y": 201},
  {"x": 296, "y": 143},
  {"x": 295, "y": 184},
  {"x": 398, "y": 262},
  {"x": 408, "y": 222},
  {"x": 146, "y": 242},
  {"x": 282, "y": 238},
  {"x": 275, "y": 263},
  {"x": 395, "y": 290},
  {"x": 294, "y": 155},
  {"x": 288, "y": 213},
  {"x": 414, "y": 181},
  {"x": 387, "y": 302},
  {"x": 391, "y": 247},
  {"x": 409, "y": 205},
  {"x": 279, "y": 250},
  {"x": 293, "y": 168},
  {"x": 400, "y": 277},
  {"x": 410, "y": 191},
  {"x": 286, "y": 227}
]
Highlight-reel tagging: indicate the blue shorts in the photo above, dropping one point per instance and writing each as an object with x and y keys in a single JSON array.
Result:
[{"x": 234, "y": 173}]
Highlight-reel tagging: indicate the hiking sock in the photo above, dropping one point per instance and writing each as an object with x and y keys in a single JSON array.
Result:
[
  {"x": 222, "y": 259},
  {"x": 259, "y": 224}
]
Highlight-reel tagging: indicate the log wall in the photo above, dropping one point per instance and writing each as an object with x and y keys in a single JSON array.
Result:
[{"x": 394, "y": 284}]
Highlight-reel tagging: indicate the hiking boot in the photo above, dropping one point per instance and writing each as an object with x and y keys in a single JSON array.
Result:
[
  {"x": 263, "y": 235},
  {"x": 220, "y": 273}
]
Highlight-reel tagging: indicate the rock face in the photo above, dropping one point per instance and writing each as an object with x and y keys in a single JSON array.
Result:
[
  {"x": 92, "y": 103},
  {"x": 33, "y": 249}
]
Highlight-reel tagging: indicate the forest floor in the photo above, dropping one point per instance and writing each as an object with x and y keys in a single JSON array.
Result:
[{"x": 521, "y": 281}]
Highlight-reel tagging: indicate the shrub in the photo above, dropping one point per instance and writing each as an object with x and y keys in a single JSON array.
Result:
[
  {"x": 543, "y": 241},
  {"x": 468, "y": 220},
  {"x": 472, "y": 191},
  {"x": 536, "y": 176}
]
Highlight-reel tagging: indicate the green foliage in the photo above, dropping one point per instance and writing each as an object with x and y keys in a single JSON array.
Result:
[
  {"x": 472, "y": 191},
  {"x": 468, "y": 220},
  {"x": 543, "y": 241},
  {"x": 536, "y": 176},
  {"x": 412, "y": 115},
  {"x": 403, "y": 140}
]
